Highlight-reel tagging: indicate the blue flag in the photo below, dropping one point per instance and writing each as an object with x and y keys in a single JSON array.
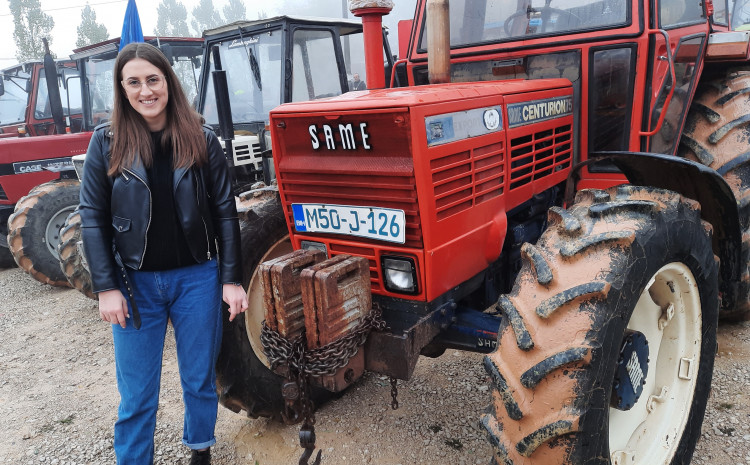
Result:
[{"x": 131, "y": 26}]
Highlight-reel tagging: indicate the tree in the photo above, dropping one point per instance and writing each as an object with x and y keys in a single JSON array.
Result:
[
  {"x": 171, "y": 19},
  {"x": 30, "y": 24},
  {"x": 234, "y": 11},
  {"x": 89, "y": 31},
  {"x": 205, "y": 16}
]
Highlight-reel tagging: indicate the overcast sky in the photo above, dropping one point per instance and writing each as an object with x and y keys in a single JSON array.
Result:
[{"x": 67, "y": 16}]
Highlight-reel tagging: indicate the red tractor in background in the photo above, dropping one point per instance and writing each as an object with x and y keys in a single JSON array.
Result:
[
  {"x": 562, "y": 186},
  {"x": 38, "y": 185},
  {"x": 24, "y": 102}
]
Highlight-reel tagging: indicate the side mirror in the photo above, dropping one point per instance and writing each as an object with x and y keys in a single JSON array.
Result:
[{"x": 2, "y": 86}]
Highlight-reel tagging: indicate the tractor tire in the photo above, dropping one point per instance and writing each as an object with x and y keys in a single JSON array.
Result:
[
  {"x": 72, "y": 260},
  {"x": 619, "y": 263},
  {"x": 715, "y": 135},
  {"x": 34, "y": 229},
  {"x": 244, "y": 380}
]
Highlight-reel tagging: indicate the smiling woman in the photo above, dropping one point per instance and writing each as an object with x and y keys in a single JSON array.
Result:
[
  {"x": 157, "y": 211},
  {"x": 146, "y": 92}
]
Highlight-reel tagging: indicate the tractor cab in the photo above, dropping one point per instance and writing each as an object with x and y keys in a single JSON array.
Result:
[
  {"x": 634, "y": 65},
  {"x": 25, "y": 108},
  {"x": 96, "y": 64}
]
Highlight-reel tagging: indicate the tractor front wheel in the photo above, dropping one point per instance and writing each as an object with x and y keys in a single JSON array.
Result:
[
  {"x": 72, "y": 259},
  {"x": 34, "y": 229},
  {"x": 606, "y": 349},
  {"x": 243, "y": 375}
]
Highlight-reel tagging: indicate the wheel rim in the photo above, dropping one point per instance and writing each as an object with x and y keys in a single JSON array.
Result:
[
  {"x": 254, "y": 315},
  {"x": 52, "y": 232},
  {"x": 651, "y": 430}
]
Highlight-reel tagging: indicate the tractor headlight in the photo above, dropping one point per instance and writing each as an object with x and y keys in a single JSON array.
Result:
[{"x": 400, "y": 275}]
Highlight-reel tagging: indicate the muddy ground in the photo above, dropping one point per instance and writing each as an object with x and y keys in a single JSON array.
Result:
[{"x": 58, "y": 400}]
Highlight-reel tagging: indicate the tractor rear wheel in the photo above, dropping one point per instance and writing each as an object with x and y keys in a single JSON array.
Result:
[
  {"x": 715, "y": 135},
  {"x": 244, "y": 379},
  {"x": 72, "y": 260},
  {"x": 34, "y": 229},
  {"x": 606, "y": 349}
]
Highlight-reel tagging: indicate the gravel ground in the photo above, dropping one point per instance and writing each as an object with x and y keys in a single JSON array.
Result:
[{"x": 58, "y": 400}]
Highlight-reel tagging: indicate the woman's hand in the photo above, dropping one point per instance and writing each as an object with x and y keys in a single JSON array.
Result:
[
  {"x": 113, "y": 307},
  {"x": 236, "y": 297}
]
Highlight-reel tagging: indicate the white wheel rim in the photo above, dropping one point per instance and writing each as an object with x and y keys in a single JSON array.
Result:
[
  {"x": 52, "y": 232},
  {"x": 254, "y": 315},
  {"x": 649, "y": 433}
]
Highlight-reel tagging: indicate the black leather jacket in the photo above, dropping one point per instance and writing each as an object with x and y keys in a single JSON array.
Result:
[{"x": 116, "y": 211}]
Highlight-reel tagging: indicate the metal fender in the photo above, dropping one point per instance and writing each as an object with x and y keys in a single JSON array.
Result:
[{"x": 692, "y": 180}]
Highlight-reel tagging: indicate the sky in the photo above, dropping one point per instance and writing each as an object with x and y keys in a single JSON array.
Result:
[{"x": 67, "y": 16}]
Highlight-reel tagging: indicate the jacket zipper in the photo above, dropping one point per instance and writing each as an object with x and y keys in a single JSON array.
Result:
[
  {"x": 145, "y": 236},
  {"x": 205, "y": 228}
]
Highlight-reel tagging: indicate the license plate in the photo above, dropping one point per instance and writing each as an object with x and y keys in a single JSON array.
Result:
[{"x": 385, "y": 224}]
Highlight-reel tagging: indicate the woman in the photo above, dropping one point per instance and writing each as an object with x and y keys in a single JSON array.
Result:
[{"x": 156, "y": 206}]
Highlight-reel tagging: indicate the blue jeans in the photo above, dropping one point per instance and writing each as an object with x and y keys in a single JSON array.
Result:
[{"x": 191, "y": 298}]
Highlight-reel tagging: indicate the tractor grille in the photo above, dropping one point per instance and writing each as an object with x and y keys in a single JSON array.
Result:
[
  {"x": 3, "y": 195},
  {"x": 466, "y": 179},
  {"x": 395, "y": 190},
  {"x": 369, "y": 253},
  {"x": 537, "y": 155},
  {"x": 248, "y": 153}
]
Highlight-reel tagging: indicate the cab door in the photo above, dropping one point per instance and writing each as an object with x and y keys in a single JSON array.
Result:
[{"x": 677, "y": 41}]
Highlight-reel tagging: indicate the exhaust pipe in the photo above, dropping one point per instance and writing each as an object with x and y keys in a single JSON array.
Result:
[
  {"x": 372, "y": 12},
  {"x": 438, "y": 42}
]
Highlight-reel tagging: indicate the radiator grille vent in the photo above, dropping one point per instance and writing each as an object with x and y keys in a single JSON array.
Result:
[
  {"x": 537, "y": 155},
  {"x": 465, "y": 179}
]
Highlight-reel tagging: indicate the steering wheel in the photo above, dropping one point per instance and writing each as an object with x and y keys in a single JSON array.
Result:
[{"x": 546, "y": 12}]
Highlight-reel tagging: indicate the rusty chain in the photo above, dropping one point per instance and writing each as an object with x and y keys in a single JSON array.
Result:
[
  {"x": 301, "y": 363},
  {"x": 325, "y": 360}
]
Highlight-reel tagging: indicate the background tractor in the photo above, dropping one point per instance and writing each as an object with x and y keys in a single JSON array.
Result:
[
  {"x": 25, "y": 108},
  {"x": 561, "y": 186},
  {"x": 38, "y": 185}
]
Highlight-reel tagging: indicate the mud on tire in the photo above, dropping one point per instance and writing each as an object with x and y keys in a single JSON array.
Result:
[
  {"x": 715, "y": 135},
  {"x": 630, "y": 258},
  {"x": 34, "y": 229},
  {"x": 243, "y": 379},
  {"x": 72, "y": 261}
]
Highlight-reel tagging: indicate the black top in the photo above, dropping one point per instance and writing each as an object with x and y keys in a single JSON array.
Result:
[{"x": 166, "y": 247}]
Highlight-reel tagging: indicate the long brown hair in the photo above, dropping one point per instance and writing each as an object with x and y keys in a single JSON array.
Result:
[{"x": 131, "y": 136}]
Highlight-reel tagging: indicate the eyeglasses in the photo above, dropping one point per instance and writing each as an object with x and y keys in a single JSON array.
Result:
[{"x": 153, "y": 83}]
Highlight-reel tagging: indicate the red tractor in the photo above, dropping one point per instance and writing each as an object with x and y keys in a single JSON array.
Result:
[
  {"x": 38, "y": 185},
  {"x": 562, "y": 186},
  {"x": 25, "y": 108}
]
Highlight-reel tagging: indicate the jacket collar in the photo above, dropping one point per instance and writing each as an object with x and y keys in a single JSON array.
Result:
[{"x": 177, "y": 175}]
